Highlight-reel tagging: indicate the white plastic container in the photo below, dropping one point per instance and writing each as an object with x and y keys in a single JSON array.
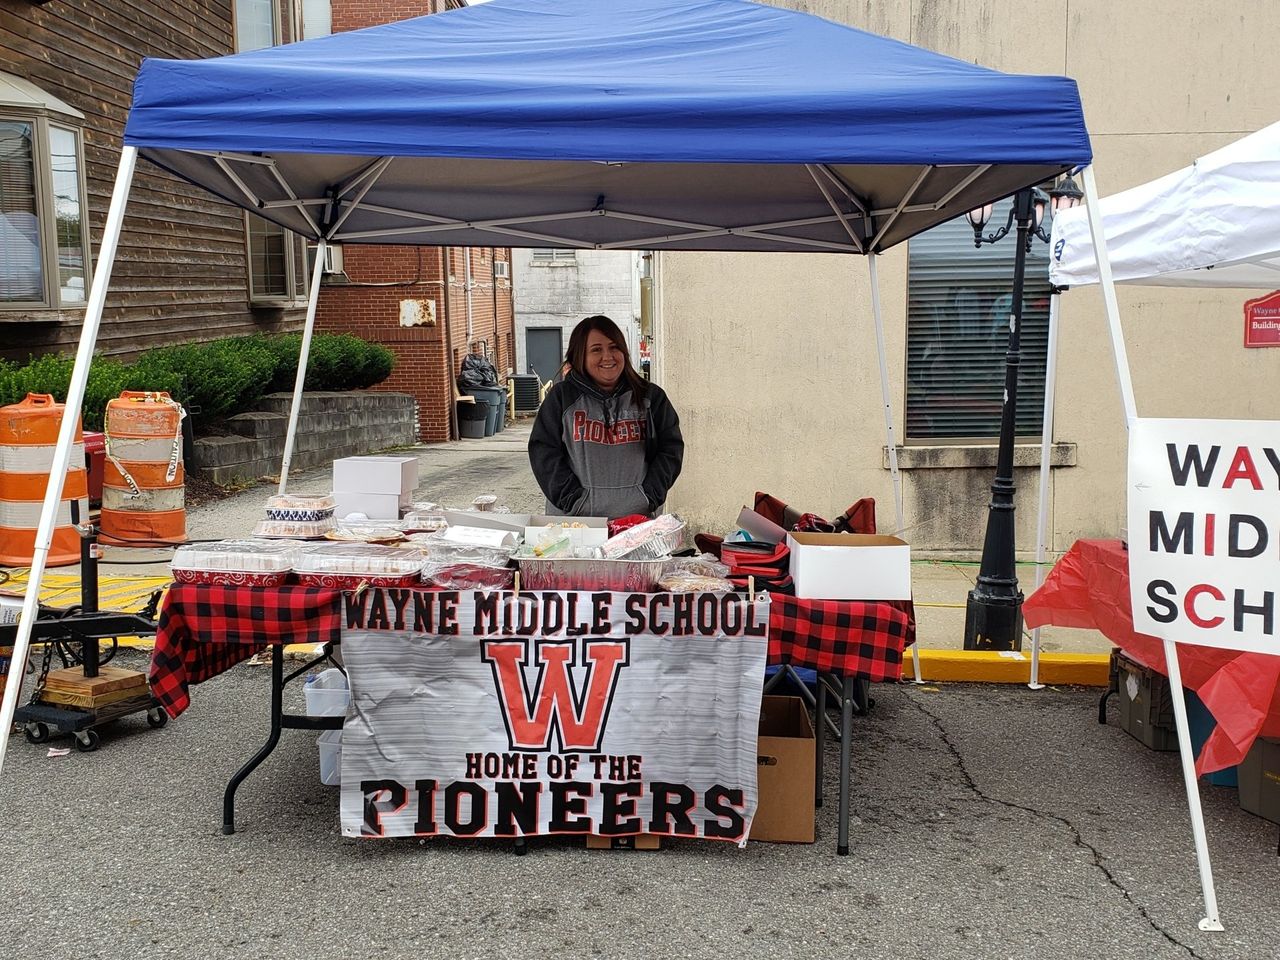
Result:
[
  {"x": 327, "y": 694},
  {"x": 344, "y": 566},
  {"x": 235, "y": 562},
  {"x": 330, "y": 744}
]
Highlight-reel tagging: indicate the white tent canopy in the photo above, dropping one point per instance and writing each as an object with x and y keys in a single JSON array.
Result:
[{"x": 1215, "y": 223}]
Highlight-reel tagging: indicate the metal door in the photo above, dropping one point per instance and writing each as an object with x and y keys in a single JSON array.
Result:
[{"x": 543, "y": 351}]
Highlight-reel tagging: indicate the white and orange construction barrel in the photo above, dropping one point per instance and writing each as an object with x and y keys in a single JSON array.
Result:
[
  {"x": 28, "y": 438},
  {"x": 143, "y": 481}
]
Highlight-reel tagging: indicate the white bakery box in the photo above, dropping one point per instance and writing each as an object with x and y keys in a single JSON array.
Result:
[
  {"x": 850, "y": 566},
  {"x": 378, "y": 487}
]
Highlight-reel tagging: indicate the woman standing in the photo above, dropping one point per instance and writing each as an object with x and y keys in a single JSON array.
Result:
[{"x": 606, "y": 442}]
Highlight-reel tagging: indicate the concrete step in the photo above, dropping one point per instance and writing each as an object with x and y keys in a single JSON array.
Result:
[{"x": 258, "y": 424}]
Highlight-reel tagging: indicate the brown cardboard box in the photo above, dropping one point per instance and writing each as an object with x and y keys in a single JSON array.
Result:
[
  {"x": 1259, "y": 773},
  {"x": 785, "y": 769}
]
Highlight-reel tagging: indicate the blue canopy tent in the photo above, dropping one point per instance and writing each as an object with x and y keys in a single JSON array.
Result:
[{"x": 650, "y": 124}]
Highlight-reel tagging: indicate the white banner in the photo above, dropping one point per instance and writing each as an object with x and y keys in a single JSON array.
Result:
[
  {"x": 487, "y": 714},
  {"x": 1204, "y": 531}
]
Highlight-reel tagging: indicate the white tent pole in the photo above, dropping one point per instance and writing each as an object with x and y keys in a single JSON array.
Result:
[
  {"x": 1046, "y": 443},
  {"x": 1096, "y": 229},
  {"x": 313, "y": 298},
  {"x": 1211, "y": 920},
  {"x": 888, "y": 425},
  {"x": 1098, "y": 233},
  {"x": 66, "y": 437}
]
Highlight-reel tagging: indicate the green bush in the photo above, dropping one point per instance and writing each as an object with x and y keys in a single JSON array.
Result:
[{"x": 213, "y": 380}]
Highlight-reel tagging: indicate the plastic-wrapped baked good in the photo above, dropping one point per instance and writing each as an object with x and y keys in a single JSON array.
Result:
[
  {"x": 235, "y": 562},
  {"x": 646, "y": 541},
  {"x": 294, "y": 529},
  {"x": 366, "y": 531},
  {"x": 467, "y": 576},
  {"x": 346, "y": 565},
  {"x": 682, "y": 581},
  {"x": 442, "y": 551},
  {"x": 293, "y": 507}
]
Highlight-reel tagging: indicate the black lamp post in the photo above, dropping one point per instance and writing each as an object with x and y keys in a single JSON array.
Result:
[{"x": 993, "y": 614}]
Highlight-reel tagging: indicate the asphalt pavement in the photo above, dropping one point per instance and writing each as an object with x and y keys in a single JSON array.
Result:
[{"x": 988, "y": 822}]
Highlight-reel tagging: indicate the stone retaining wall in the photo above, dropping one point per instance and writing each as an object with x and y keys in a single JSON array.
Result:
[{"x": 330, "y": 425}]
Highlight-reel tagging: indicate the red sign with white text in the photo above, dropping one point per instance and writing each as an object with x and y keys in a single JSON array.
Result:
[{"x": 1262, "y": 321}]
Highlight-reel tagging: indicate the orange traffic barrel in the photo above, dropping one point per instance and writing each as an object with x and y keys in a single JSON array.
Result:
[
  {"x": 28, "y": 437},
  {"x": 143, "y": 480}
]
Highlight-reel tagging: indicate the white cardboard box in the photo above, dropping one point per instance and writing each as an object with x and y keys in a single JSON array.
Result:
[
  {"x": 593, "y": 532},
  {"x": 512, "y": 522},
  {"x": 850, "y": 566},
  {"x": 398, "y": 475},
  {"x": 375, "y": 506}
]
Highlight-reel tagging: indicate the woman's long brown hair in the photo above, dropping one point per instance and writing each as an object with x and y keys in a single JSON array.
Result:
[{"x": 577, "y": 352}]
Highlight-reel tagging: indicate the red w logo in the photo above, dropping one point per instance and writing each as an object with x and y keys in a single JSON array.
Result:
[{"x": 556, "y": 704}]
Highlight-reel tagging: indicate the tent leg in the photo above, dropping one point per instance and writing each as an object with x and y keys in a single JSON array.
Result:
[
  {"x": 66, "y": 436},
  {"x": 1109, "y": 296},
  {"x": 1046, "y": 442},
  {"x": 313, "y": 298},
  {"x": 891, "y": 438},
  {"x": 1210, "y": 921}
]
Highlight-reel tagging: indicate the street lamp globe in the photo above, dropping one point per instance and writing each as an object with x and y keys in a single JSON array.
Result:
[{"x": 1065, "y": 194}]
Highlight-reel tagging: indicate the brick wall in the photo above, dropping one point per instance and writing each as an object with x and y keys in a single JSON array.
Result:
[
  {"x": 380, "y": 278},
  {"x": 355, "y": 14}
]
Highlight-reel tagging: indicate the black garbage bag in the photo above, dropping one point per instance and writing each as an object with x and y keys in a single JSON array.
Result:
[{"x": 477, "y": 371}]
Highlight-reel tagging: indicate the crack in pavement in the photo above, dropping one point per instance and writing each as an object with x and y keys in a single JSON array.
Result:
[{"x": 1075, "y": 831}]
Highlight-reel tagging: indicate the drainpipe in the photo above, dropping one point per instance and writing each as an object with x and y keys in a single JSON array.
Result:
[
  {"x": 466, "y": 273},
  {"x": 454, "y": 434},
  {"x": 497, "y": 337}
]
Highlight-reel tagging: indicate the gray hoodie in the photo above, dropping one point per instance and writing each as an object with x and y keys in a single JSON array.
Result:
[{"x": 605, "y": 455}]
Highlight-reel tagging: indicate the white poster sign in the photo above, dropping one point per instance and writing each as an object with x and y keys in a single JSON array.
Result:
[
  {"x": 1204, "y": 531},
  {"x": 504, "y": 715}
]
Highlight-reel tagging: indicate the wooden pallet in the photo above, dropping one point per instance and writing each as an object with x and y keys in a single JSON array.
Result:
[
  {"x": 643, "y": 841},
  {"x": 70, "y": 687}
]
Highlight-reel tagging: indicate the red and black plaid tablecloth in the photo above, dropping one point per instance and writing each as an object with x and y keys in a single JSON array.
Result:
[
  {"x": 204, "y": 630},
  {"x": 854, "y": 638}
]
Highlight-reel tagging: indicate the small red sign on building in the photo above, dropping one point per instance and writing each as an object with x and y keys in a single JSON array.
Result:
[{"x": 1262, "y": 321}]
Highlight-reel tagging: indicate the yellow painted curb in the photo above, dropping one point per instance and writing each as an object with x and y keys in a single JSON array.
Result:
[
  {"x": 149, "y": 643},
  {"x": 981, "y": 666},
  {"x": 943, "y": 666}
]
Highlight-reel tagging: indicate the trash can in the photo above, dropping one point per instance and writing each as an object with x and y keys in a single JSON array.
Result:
[
  {"x": 493, "y": 396},
  {"x": 502, "y": 412},
  {"x": 473, "y": 416}
]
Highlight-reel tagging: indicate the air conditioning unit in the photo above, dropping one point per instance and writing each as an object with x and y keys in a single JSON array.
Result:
[
  {"x": 501, "y": 270},
  {"x": 332, "y": 259}
]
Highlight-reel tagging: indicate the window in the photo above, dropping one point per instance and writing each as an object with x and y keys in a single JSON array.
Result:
[
  {"x": 549, "y": 256},
  {"x": 958, "y": 300},
  {"x": 256, "y": 24},
  {"x": 277, "y": 263},
  {"x": 44, "y": 256}
]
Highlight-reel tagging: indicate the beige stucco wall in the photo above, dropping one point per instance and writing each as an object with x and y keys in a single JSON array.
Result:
[{"x": 771, "y": 358}]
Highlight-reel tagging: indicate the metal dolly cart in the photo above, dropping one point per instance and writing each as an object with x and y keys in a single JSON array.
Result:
[{"x": 75, "y": 634}]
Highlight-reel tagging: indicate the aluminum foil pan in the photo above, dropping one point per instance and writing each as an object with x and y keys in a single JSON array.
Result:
[
  {"x": 572, "y": 573},
  {"x": 659, "y": 546}
]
